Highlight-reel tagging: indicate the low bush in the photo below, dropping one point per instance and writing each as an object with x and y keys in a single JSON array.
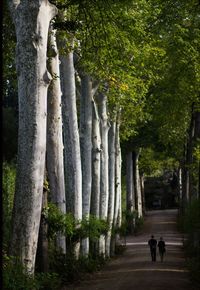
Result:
[{"x": 15, "y": 277}]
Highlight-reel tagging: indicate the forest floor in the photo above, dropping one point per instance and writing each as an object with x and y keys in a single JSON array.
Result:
[{"x": 134, "y": 268}]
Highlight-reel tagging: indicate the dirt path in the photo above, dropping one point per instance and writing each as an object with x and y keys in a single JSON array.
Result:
[{"x": 135, "y": 270}]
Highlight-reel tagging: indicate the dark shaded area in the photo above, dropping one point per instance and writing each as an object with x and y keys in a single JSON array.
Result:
[{"x": 161, "y": 192}]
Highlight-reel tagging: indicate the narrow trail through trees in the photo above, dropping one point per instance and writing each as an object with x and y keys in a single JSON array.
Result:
[{"x": 135, "y": 270}]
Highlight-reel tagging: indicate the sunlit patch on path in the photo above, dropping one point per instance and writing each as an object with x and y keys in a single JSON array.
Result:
[{"x": 146, "y": 244}]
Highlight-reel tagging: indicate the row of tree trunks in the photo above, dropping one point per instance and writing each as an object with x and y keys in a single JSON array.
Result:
[
  {"x": 31, "y": 20},
  {"x": 87, "y": 177},
  {"x": 135, "y": 198}
]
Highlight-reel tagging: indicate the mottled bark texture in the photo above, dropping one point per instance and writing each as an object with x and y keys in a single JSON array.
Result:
[
  {"x": 111, "y": 200},
  {"x": 55, "y": 164},
  {"x": 104, "y": 187},
  {"x": 31, "y": 20},
  {"x": 86, "y": 150},
  {"x": 96, "y": 161},
  {"x": 138, "y": 192},
  {"x": 130, "y": 191},
  {"x": 72, "y": 156},
  {"x": 117, "y": 203},
  {"x": 130, "y": 198},
  {"x": 142, "y": 192}
]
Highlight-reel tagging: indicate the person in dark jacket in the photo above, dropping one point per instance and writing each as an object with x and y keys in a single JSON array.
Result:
[
  {"x": 152, "y": 244},
  {"x": 161, "y": 247}
]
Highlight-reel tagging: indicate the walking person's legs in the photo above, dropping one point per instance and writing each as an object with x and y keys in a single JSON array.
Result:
[
  {"x": 153, "y": 255},
  {"x": 161, "y": 255}
]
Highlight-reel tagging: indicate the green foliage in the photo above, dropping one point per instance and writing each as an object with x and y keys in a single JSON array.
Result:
[
  {"x": 74, "y": 230},
  {"x": 191, "y": 226},
  {"x": 131, "y": 223},
  {"x": 139, "y": 224},
  {"x": 15, "y": 278},
  {"x": 196, "y": 153},
  {"x": 93, "y": 227},
  {"x": 192, "y": 217},
  {"x": 47, "y": 281},
  {"x": 70, "y": 269},
  {"x": 9, "y": 175},
  {"x": 154, "y": 163},
  {"x": 58, "y": 222},
  {"x": 10, "y": 126}
]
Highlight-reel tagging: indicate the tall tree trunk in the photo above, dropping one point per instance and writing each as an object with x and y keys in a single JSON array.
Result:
[
  {"x": 137, "y": 183},
  {"x": 72, "y": 156},
  {"x": 130, "y": 191},
  {"x": 55, "y": 166},
  {"x": 142, "y": 192},
  {"x": 86, "y": 149},
  {"x": 31, "y": 20},
  {"x": 180, "y": 188},
  {"x": 111, "y": 200},
  {"x": 117, "y": 204},
  {"x": 104, "y": 127},
  {"x": 96, "y": 161}
]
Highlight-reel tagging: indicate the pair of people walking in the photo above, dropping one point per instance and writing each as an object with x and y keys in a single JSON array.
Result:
[{"x": 153, "y": 247}]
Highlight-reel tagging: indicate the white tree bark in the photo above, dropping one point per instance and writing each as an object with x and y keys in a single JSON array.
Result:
[
  {"x": 137, "y": 184},
  {"x": 71, "y": 138},
  {"x": 142, "y": 192},
  {"x": 55, "y": 166},
  {"x": 117, "y": 173},
  {"x": 117, "y": 204},
  {"x": 104, "y": 187},
  {"x": 111, "y": 201},
  {"x": 130, "y": 191},
  {"x": 96, "y": 160},
  {"x": 86, "y": 150},
  {"x": 130, "y": 194},
  {"x": 31, "y": 20},
  {"x": 72, "y": 156}
]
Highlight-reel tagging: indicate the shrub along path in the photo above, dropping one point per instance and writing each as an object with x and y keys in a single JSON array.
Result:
[{"x": 135, "y": 270}]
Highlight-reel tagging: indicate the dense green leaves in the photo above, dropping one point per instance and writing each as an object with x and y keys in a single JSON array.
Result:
[{"x": 74, "y": 230}]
